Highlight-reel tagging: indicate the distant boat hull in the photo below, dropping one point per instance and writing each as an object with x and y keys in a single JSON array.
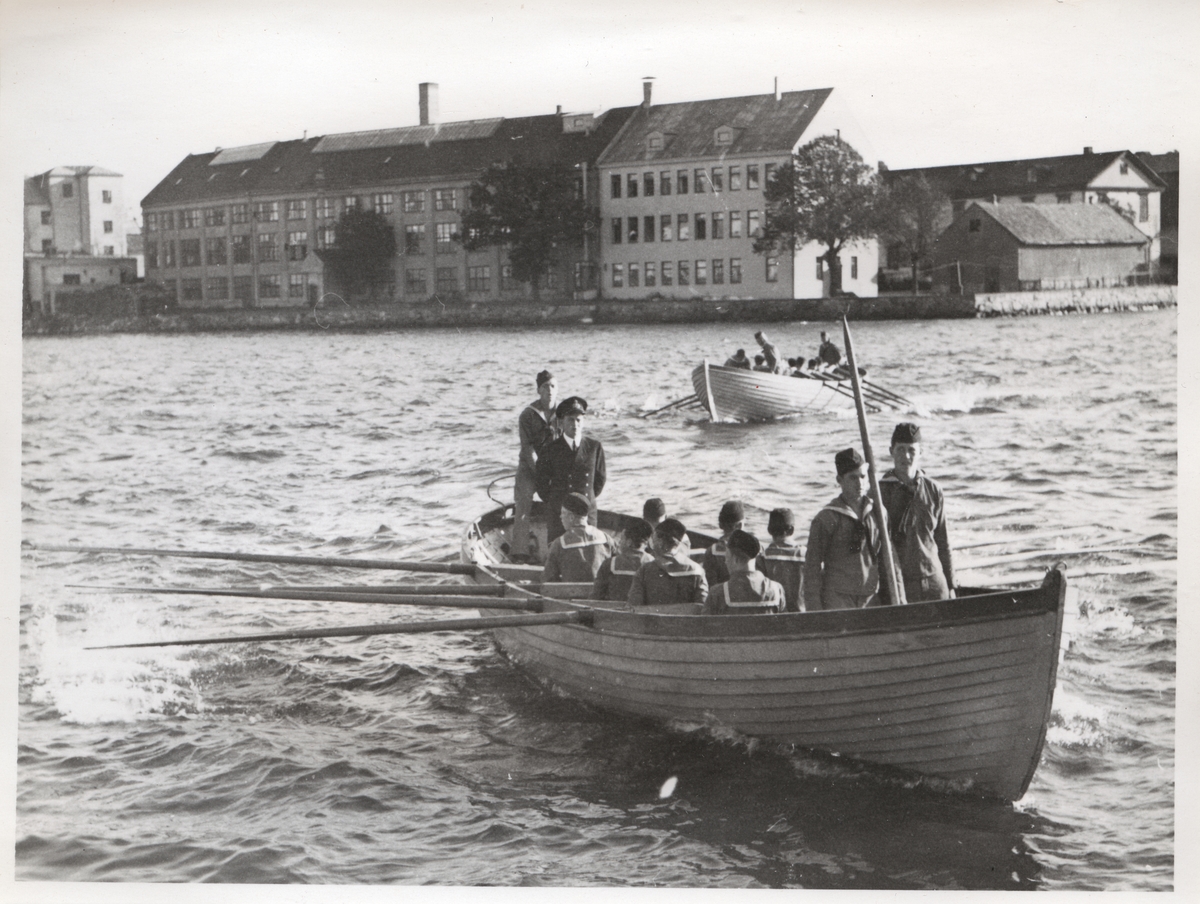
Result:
[
  {"x": 960, "y": 689},
  {"x": 732, "y": 393}
]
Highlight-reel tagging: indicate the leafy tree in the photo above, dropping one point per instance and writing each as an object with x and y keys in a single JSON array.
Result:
[
  {"x": 826, "y": 194},
  {"x": 532, "y": 210},
  {"x": 360, "y": 256},
  {"x": 912, "y": 215}
]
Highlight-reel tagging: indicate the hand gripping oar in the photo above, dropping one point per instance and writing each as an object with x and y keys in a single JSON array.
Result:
[
  {"x": 388, "y": 564},
  {"x": 444, "y": 601},
  {"x": 578, "y": 617},
  {"x": 891, "y": 573}
]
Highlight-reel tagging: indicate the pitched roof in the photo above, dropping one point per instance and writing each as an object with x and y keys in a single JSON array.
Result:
[
  {"x": 1072, "y": 172},
  {"x": 1162, "y": 164},
  {"x": 36, "y": 194},
  {"x": 1062, "y": 224},
  {"x": 355, "y": 160},
  {"x": 759, "y": 124}
]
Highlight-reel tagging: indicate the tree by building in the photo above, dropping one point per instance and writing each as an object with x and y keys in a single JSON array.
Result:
[
  {"x": 532, "y": 210},
  {"x": 360, "y": 257},
  {"x": 912, "y": 215},
  {"x": 827, "y": 195}
]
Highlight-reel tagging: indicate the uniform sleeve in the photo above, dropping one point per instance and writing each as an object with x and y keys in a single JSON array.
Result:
[
  {"x": 942, "y": 539},
  {"x": 778, "y": 596},
  {"x": 637, "y": 589},
  {"x": 552, "y": 570},
  {"x": 601, "y": 473},
  {"x": 603, "y": 576},
  {"x": 814, "y": 560},
  {"x": 528, "y": 435},
  {"x": 702, "y": 590},
  {"x": 542, "y": 474}
]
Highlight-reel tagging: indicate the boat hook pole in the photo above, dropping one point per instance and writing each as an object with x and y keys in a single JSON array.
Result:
[{"x": 890, "y": 575}]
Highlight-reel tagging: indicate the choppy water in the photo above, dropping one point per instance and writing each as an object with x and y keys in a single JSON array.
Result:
[{"x": 429, "y": 759}]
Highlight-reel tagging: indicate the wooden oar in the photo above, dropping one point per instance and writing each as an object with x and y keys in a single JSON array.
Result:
[
  {"x": 884, "y": 391},
  {"x": 388, "y": 564},
  {"x": 445, "y": 601},
  {"x": 834, "y": 384},
  {"x": 579, "y": 617},
  {"x": 890, "y": 573},
  {"x": 686, "y": 400}
]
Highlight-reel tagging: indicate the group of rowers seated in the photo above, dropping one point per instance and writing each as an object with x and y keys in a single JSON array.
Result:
[
  {"x": 827, "y": 361},
  {"x": 654, "y": 564}
]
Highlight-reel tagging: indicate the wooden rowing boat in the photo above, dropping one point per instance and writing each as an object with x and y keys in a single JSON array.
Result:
[{"x": 960, "y": 689}]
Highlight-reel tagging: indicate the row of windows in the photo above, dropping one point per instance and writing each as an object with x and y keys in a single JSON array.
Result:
[
  {"x": 701, "y": 179},
  {"x": 68, "y": 191},
  {"x": 670, "y": 273},
  {"x": 681, "y": 227},
  {"x": 479, "y": 279},
  {"x": 444, "y": 199},
  {"x": 216, "y": 288},
  {"x": 48, "y": 248},
  {"x": 218, "y": 253}
]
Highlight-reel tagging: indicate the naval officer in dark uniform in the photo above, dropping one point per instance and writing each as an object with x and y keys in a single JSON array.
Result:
[{"x": 573, "y": 463}]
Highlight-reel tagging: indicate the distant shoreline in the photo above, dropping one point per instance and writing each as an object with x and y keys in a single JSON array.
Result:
[{"x": 365, "y": 318}]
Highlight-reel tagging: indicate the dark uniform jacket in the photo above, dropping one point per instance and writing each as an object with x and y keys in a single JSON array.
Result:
[
  {"x": 784, "y": 563},
  {"x": 562, "y": 470},
  {"x": 615, "y": 576},
  {"x": 917, "y": 524},
  {"x": 716, "y": 571},
  {"x": 577, "y": 555},
  {"x": 841, "y": 565},
  {"x": 668, "y": 579},
  {"x": 745, "y": 593}
]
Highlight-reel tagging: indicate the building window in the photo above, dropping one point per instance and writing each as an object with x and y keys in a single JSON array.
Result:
[
  {"x": 701, "y": 226},
  {"x": 297, "y": 285},
  {"x": 1143, "y": 207},
  {"x": 668, "y": 273},
  {"x": 618, "y": 276},
  {"x": 685, "y": 269},
  {"x": 108, "y": 226},
  {"x": 214, "y": 216},
  {"x": 718, "y": 271},
  {"x": 446, "y": 279},
  {"x": 297, "y": 246},
  {"x": 551, "y": 279},
  {"x": 616, "y": 185},
  {"x": 617, "y": 230},
  {"x": 633, "y": 230},
  {"x": 974, "y": 225},
  {"x": 668, "y": 227},
  {"x": 109, "y": 250},
  {"x": 267, "y": 211},
  {"x": 414, "y": 282},
  {"x": 702, "y": 273},
  {"x": 664, "y": 182},
  {"x": 151, "y": 222},
  {"x": 651, "y": 275},
  {"x": 383, "y": 203},
  {"x": 243, "y": 288},
  {"x": 240, "y": 213},
  {"x": 189, "y": 290},
  {"x": 326, "y": 238},
  {"x": 820, "y": 268},
  {"x": 751, "y": 175},
  {"x": 46, "y": 218},
  {"x": 240, "y": 244},
  {"x": 700, "y": 184},
  {"x": 270, "y": 286},
  {"x": 350, "y": 202},
  {"x": 735, "y": 224},
  {"x": 768, "y": 170},
  {"x": 47, "y": 246},
  {"x": 1063, "y": 197},
  {"x": 151, "y": 254},
  {"x": 648, "y": 229},
  {"x": 414, "y": 239},
  {"x": 681, "y": 182},
  {"x": 1028, "y": 199},
  {"x": 297, "y": 209},
  {"x": 1031, "y": 174},
  {"x": 106, "y": 196},
  {"x": 508, "y": 282},
  {"x": 752, "y": 223},
  {"x": 267, "y": 249},
  {"x": 166, "y": 220},
  {"x": 648, "y": 185},
  {"x": 735, "y": 270},
  {"x": 214, "y": 251},
  {"x": 772, "y": 269},
  {"x": 631, "y": 186},
  {"x": 718, "y": 225},
  {"x": 682, "y": 228},
  {"x": 635, "y": 276},
  {"x": 444, "y": 238},
  {"x": 479, "y": 278},
  {"x": 68, "y": 192},
  {"x": 735, "y": 182},
  {"x": 72, "y": 279},
  {"x": 718, "y": 178},
  {"x": 189, "y": 219},
  {"x": 443, "y": 198},
  {"x": 1124, "y": 168},
  {"x": 168, "y": 249},
  {"x": 854, "y": 267},
  {"x": 413, "y": 201},
  {"x": 217, "y": 288},
  {"x": 324, "y": 208}
]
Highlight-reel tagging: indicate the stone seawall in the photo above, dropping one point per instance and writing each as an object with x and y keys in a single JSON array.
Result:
[{"x": 345, "y": 318}]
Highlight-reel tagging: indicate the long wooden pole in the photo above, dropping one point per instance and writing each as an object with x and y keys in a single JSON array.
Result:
[
  {"x": 890, "y": 573},
  {"x": 446, "y": 601},
  {"x": 336, "y": 561},
  {"x": 427, "y": 627}
]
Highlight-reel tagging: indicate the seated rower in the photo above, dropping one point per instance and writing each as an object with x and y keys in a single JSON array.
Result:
[
  {"x": 732, "y": 517},
  {"x": 748, "y": 591},
  {"x": 760, "y": 363},
  {"x": 738, "y": 360},
  {"x": 576, "y": 555},
  {"x": 828, "y": 352},
  {"x": 655, "y": 512},
  {"x": 783, "y": 560},
  {"x": 616, "y": 574},
  {"x": 672, "y": 577}
]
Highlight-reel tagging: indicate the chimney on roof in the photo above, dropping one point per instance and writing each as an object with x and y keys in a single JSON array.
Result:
[
  {"x": 429, "y": 103},
  {"x": 558, "y": 110},
  {"x": 647, "y": 86},
  {"x": 777, "y": 94},
  {"x": 1087, "y": 150}
]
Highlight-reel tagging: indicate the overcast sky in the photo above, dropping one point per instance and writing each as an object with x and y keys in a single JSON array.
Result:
[{"x": 135, "y": 86}]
